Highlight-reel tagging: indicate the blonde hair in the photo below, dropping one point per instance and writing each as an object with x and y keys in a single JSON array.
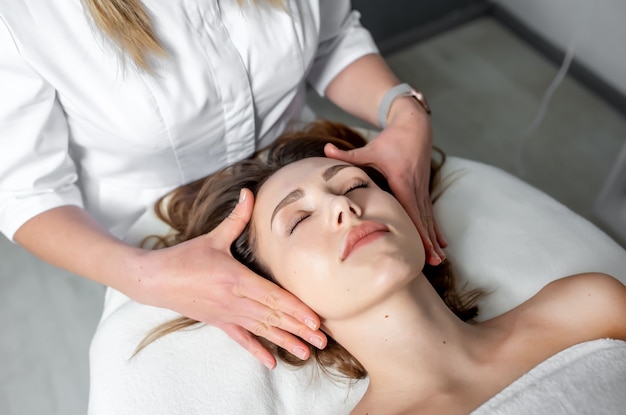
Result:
[{"x": 127, "y": 24}]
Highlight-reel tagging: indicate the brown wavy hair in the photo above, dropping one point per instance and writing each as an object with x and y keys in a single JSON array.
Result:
[
  {"x": 198, "y": 207},
  {"x": 127, "y": 24}
]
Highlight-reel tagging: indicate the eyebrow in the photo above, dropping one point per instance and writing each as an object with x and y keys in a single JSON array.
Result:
[
  {"x": 298, "y": 194},
  {"x": 332, "y": 170}
]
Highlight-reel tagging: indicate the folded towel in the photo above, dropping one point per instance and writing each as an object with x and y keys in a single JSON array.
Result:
[
  {"x": 198, "y": 371},
  {"x": 588, "y": 378}
]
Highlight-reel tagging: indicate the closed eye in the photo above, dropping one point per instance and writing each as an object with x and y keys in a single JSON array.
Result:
[
  {"x": 295, "y": 222},
  {"x": 356, "y": 185}
]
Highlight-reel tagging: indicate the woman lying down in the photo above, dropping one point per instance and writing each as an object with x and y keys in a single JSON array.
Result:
[{"x": 332, "y": 234}]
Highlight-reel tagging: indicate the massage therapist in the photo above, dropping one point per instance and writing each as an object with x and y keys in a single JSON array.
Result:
[{"x": 105, "y": 105}]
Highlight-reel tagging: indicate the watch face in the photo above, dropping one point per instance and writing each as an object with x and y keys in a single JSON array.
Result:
[{"x": 419, "y": 97}]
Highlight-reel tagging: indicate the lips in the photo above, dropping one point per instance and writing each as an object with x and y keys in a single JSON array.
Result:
[{"x": 361, "y": 234}]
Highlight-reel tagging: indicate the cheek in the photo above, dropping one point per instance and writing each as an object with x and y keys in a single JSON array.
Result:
[
  {"x": 412, "y": 240},
  {"x": 332, "y": 290},
  {"x": 307, "y": 271}
]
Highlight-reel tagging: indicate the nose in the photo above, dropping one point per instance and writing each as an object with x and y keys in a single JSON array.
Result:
[{"x": 344, "y": 209}]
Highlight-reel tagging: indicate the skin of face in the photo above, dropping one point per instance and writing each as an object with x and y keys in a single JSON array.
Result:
[{"x": 303, "y": 242}]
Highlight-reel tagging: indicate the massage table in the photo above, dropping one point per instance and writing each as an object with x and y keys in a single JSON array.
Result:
[{"x": 505, "y": 237}]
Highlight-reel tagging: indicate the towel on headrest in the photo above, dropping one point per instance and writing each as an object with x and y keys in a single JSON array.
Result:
[
  {"x": 505, "y": 236},
  {"x": 198, "y": 371},
  {"x": 588, "y": 378}
]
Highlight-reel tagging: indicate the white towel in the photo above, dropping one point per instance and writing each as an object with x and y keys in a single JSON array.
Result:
[
  {"x": 586, "y": 379},
  {"x": 198, "y": 371}
]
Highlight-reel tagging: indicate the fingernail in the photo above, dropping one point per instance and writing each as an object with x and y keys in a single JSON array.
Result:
[
  {"x": 442, "y": 255},
  {"x": 269, "y": 364},
  {"x": 310, "y": 323},
  {"x": 332, "y": 146},
  {"x": 437, "y": 259},
  {"x": 300, "y": 352},
  {"x": 242, "y": 196},
  {"x": 316, "y": 341}
]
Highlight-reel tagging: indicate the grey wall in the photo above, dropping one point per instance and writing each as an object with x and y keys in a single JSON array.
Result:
[
  {"x": 388, "y": 19},
  {"x": 599, "y": 25}
]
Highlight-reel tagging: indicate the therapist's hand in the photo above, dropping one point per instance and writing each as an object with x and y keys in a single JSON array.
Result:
[
  {"x": 401, "y": 152},
  {"x": 200, "y": 279}
]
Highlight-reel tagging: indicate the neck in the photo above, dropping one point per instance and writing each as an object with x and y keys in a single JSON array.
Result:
[{"x": 413, "y": 347}]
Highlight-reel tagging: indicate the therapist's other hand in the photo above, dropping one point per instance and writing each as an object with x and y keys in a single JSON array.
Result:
[
  {"x": 200, "y": 279},
  {"x": 401, "y": 152}
]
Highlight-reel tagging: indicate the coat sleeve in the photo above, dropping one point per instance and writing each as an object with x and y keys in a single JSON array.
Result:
[
  {"x": 342, "y": 41},
  {"x": 36, "y": 170}
]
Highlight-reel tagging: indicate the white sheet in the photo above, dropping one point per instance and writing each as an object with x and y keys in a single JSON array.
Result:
[{"x": 504, "y": 236}]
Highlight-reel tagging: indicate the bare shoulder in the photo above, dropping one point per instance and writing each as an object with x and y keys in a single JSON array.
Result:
[{"x": 589, "y": 305}]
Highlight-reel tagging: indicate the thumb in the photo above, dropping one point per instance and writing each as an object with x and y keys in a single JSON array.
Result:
[
  {"x": 231, "y": 227},
  {"x": 356, "y": 156}
]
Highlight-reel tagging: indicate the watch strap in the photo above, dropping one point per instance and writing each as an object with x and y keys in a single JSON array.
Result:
[{"x": 403, "y": 89}]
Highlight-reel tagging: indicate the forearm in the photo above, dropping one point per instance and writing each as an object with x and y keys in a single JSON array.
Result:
[
  {"x": 68, "y": 237},
  {"x": 359, "y": 90},
  {"x": 360, "y": 87}
]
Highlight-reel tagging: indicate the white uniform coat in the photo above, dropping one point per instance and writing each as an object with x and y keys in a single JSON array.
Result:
[{"x": 78, "y": 126}]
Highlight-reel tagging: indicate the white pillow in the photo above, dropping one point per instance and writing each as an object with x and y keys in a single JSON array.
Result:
[
  {"x": 504, "y": 236},
  {"x": 511, "y": 239}
]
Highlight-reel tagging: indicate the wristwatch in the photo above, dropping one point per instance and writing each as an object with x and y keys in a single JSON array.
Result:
[{"x": 402, "y": 90}]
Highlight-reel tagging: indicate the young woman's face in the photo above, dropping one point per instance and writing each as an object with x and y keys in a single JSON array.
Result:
[{"x": 333, "y": 238}]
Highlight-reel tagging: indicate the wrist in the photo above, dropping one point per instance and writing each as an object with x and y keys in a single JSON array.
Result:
[
  {"x": 134, "y": 274},
  {"x": 396, "y": 98},
  {"x": 406, "y": 109},
  {"x": 408, "y": 119}
]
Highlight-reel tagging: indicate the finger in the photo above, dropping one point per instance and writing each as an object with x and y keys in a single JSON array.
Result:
[
  {"x": 429, "y": 220},
  {"x": 279, "y": 337},
  {"x": 437, "y": 235},
  {"x": 261, "y": 320},
  {"x": 246, "y": 340},
  {"x": 357, "y": 156},
  {"x": 231, "y": 227},
  {"x": 409, "y": 201},
  {"x": 442, "y": 240},
  {"x": 276, "y": 298},
  {"x": 279, "y": 329},
  {"x": 432, "y": 256}
]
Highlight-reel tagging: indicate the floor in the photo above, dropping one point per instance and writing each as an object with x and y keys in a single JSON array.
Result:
[{"x": 485, "y": 87}]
